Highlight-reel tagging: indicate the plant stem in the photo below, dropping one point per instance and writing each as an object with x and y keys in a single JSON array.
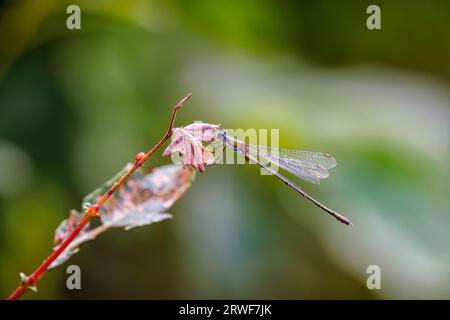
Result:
[{"x": 92, "y": 212}]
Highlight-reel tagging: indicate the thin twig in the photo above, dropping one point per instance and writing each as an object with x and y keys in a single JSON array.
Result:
[{"x": 30, "y": 282}]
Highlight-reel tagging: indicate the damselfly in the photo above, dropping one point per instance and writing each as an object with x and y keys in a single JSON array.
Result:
[{"x": 307, "y": 165}]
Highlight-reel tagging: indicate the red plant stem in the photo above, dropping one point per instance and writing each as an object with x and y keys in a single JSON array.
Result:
[
  {"x": 93, "y": 211},
  {"x": 36, "y": 275}
]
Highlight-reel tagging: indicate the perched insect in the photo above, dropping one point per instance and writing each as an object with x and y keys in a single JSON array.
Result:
[{"x": 307, "y": 165}]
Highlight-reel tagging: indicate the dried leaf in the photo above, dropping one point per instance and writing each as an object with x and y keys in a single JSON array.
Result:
[
  {"x": 188, "y": 143},
  {"x": 205, "y": 132}
]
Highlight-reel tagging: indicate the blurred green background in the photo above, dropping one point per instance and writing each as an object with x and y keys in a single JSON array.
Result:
[{"x": 75, "y": 106}]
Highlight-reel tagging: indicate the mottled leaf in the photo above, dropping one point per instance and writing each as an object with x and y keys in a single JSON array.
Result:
[
  {"x": 143, "y": 198},
  {"x": 68, "y": 225},
  {"x": 63, "y": 231},
  {"x": 63, "y": 257},
  {"x": 140, "y": 201},
  {"x": 92, "y": 197},
  {"x": 139, "y": 219}
]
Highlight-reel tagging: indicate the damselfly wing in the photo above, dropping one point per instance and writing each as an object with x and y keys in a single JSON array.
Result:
[{"x": 307, "y": 165}]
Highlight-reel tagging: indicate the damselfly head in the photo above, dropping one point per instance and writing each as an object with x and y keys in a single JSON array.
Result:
[{"x": 221, "y": 134}]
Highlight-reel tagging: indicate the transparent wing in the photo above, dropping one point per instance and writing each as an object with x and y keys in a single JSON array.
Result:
[
  {"x": 217, "y": 148},
  {"x": 308, "y": 165},
  {"x": 325, "y": 160}
]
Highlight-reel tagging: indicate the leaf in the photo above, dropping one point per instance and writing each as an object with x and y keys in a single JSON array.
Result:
[
  {"x": 63, "y": 231},
  {"x": 188, "y": 143},
  {"x": 143, "y": 218},
  {"x": 140, "y": 201},
  {"x": 68, "y": 225},
  {"x": 94, "y": 195},
  {"x": 63, "y": 257},
  {"x": 205, "y": 132},
  {"x": 143, "y": 198}
]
